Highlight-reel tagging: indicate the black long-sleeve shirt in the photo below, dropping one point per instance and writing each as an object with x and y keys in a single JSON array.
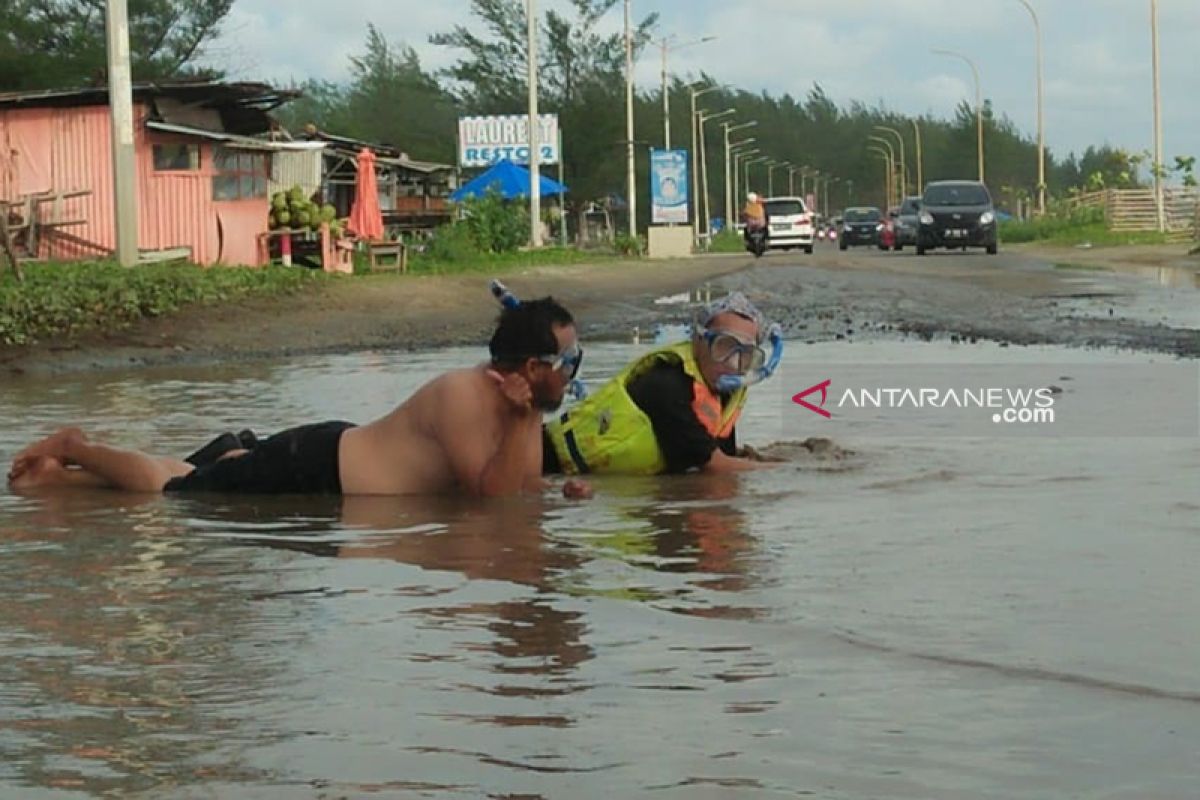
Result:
[{"x": 664, "y": 393}]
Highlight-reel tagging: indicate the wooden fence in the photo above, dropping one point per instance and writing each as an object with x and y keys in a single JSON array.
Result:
[{"x": 1136, "y": 210}]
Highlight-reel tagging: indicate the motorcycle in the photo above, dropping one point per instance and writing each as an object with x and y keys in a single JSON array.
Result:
[{"x": 756, "y": 241}]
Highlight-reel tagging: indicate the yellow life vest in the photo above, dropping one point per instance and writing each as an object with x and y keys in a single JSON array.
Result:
[{"x": 608, "y": 433}]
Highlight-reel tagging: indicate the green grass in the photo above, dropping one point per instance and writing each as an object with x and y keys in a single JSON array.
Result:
[
  {"x": 65, "y": 298},
  {"x": 727, "y": 241},
  {"x": 475, "y": 262},
  {"x": 1080, "y": 226},
  {"x": 1068, "y": 235}
]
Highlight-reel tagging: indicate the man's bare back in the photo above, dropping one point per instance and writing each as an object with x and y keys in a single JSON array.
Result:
[{"x": 444, "y": 435}]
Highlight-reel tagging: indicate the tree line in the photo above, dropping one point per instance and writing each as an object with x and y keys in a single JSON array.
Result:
[{"x": 391, "y": 97}]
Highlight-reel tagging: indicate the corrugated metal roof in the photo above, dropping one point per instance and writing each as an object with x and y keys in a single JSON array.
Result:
[
  {"x": 232, "y": 139},
  {"x": 246, "y": 93}
]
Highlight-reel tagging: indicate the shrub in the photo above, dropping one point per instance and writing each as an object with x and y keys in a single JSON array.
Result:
[{"x": 63, "y": 298}]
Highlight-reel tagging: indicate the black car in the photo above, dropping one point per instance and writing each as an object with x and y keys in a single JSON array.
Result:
[
  {"x": 906, "y": 222},
  {"x": 957, "y": 214},
  {"x": 860, "y": 226}
]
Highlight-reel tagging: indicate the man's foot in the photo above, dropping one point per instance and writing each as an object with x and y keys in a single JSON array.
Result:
[
  {"x": 55, "y": 446},
  {"x": 39, "y": 473}
]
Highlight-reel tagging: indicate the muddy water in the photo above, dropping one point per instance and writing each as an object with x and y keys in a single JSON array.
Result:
[{"x": 1002, "y": 618}]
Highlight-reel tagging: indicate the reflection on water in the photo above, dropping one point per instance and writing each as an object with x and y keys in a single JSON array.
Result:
[
  {"x": 1171, "y": 277},
  {"x": 959, "y": 618}
]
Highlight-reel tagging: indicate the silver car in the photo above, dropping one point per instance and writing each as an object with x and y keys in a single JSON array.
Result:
[{"x": 907, "y": 222}]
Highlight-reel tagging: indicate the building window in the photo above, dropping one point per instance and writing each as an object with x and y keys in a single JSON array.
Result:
[
  {"x": 176, "y": 157},
  {"x": 240, "y": 174}
]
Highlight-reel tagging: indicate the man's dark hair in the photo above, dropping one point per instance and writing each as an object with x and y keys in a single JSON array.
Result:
[{"x": 527, "y": 331}]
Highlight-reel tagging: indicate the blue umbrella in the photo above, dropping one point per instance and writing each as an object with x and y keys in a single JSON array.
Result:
[{"x": 509, "y": 179}]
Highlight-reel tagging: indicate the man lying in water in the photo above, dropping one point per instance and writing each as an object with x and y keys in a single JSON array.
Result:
[{"x": 476, "y": 431}]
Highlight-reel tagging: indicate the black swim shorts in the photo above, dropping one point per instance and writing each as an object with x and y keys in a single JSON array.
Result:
[{"x": 301, "y": 460}]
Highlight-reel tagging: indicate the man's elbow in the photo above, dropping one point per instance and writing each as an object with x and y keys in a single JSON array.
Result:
[{"x": 494, "y": 486}]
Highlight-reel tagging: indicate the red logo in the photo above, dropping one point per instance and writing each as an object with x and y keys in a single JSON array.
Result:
[{"x": 823, "y": 388}]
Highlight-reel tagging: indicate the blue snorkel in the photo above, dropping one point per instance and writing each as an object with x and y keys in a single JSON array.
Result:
[
  {"x": 503, "y": 295},
  {"x": 510, "y": 301},
  {"x": 728, "y": 384}
]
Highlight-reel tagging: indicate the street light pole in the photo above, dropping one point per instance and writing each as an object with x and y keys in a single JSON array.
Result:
[
  {"x": 695, "y": 174},
  {"x": 772, "y": 165},
  {"x": 666, "y": 97},
  {"x": 1159, "y": 203},
  {"x": 737, "y": 157},
  {"x": 903, "y": 166},
  {"x": 1037, "y": 29},
  {"x": 535, "y": 145},
  {"x": 702, "y": 118},
  {"x": 728, "y": 128},
  {"x": 124, "y": 161},
  {"x": 747, "y": 164},
  {"x": 631, "y": 179},
  {"x": 665, "y": 44},
  {"x": 978, "y": 102},
  {"x": 887, "y": 166},
  {"x": 892, "y": 159},
  {"x": 920, "y": 159}
]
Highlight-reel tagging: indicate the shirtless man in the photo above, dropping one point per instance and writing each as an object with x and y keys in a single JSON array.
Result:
[{"x": 475, "y": 431}]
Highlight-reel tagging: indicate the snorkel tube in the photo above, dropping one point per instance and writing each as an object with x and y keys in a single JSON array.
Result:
[
  {"x": 728, "y": 384},
  {"x": 503, "y": 295},
  {"x": 510, "y": 301}
]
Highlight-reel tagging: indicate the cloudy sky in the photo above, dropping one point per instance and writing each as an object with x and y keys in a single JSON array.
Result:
[{"x": 1097, "y": 53}]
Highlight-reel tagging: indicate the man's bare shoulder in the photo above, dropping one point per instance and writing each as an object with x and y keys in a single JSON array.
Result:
[
  {"x": 469, "y": 379},
  {"x": 461, "y": 391}
]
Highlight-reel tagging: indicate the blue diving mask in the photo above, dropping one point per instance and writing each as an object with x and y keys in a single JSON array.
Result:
[{"x": 753, "y": 363}]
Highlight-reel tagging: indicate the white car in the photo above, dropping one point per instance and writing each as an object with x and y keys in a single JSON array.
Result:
[{"x": 791, "y": 224}]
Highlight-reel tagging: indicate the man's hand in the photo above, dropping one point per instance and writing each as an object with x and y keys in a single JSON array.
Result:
[
  {"x": 516, "y": 391},
  {"x": 575, "y": 489},
  {"x": 753, "y": 454}
]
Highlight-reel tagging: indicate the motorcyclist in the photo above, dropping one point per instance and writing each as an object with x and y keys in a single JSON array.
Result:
[{"x": 754, "y": 216}]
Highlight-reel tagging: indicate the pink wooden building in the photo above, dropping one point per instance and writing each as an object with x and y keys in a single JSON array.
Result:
[{"x": 202, "y": 177}]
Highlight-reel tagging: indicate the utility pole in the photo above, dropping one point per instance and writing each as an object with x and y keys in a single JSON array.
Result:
[
  {"x": 631, "y": 178},
  {"x": 535, "y": 144},
  {"x": 666, "y": 97},
  {"x": 1159, "y": 202},
  {"x": 920, "y": 160},
  {"x": 120, "y": 103},
  {"x": 1037, "y": 29}
]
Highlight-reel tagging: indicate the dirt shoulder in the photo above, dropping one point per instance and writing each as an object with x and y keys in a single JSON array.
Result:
[
  {"x": 1029, "y": 294},
  {"x": 385, "y": 311},
  {"x": 1123, "y": 258}
]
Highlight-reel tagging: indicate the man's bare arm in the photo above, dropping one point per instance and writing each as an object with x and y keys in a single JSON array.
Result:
[
  {"x": 482, "y": 466},
  {"x": 723, "y": 463}
]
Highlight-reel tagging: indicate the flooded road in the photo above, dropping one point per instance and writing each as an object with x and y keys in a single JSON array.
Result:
[{"x": 983, "y": 618}]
